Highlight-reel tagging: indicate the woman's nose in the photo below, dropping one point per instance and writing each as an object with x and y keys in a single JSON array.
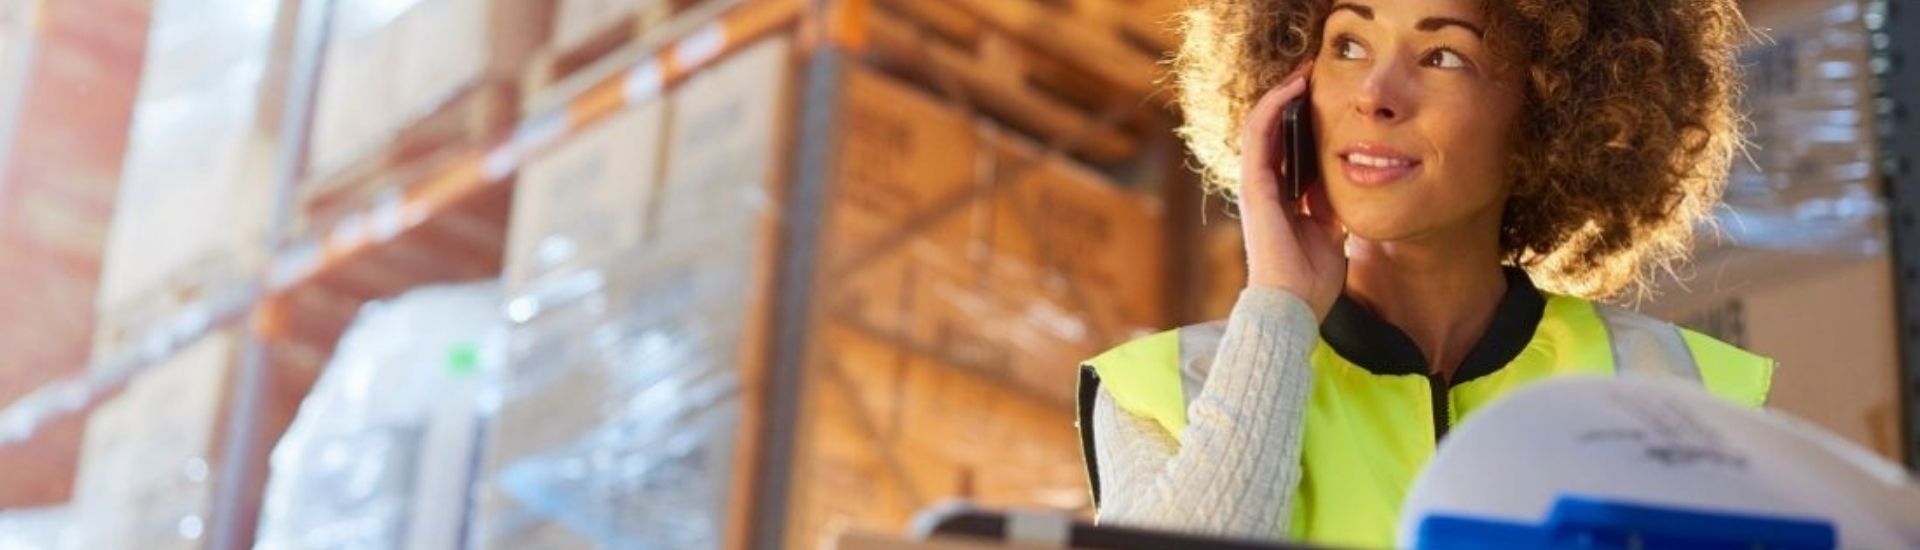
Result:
[{"x": 1380, "y": 97}]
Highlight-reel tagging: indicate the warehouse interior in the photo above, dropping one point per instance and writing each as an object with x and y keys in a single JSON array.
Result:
[{"x": 721, "y": 273}]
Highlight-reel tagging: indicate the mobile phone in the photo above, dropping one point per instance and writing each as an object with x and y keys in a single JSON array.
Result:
[{"x": 1302, "y": 160}]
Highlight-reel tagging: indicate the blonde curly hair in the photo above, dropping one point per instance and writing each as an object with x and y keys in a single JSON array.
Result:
[{"x": 1624, "y": 142}]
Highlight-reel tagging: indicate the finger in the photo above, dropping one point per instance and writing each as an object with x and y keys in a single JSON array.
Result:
[
  {"x": 1324, "y": 244},
  {"x": 1319, "y": 207},
  {"x": 1321, "y": 236},
  {"x": 1257, "y": 131},
  {"x": 1256, "y": 139},
  {"x": 1258, "y": 176},
  {"x": 1265, "y": 115}
]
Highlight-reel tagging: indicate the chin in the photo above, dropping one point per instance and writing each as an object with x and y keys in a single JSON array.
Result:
[
  {"x": 1381, "y": 226},
  {"x": 1381, "y": 218}
]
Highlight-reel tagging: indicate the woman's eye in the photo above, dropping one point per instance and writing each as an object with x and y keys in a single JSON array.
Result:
[
  {"x": 1347, "y": 48},
  {"x": 1446, "y": 59}
]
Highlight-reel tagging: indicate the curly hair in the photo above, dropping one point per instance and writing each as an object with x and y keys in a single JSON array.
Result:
[{"x": 1627, "y": 131}]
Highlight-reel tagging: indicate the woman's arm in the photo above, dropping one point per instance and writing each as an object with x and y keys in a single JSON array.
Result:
[{"x": 1236, "y": 464}]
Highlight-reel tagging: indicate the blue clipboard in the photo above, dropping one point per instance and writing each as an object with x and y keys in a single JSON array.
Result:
[{"x": 1593, "y": 524}]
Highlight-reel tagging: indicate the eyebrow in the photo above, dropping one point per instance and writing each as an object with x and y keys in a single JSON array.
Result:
[
  {"x": 1363, "y": 11},
  {"x": 1430, "y": 24}
]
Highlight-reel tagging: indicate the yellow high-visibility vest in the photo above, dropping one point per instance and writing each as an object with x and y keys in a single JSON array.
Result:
[{"x": 1375, "y": 413}]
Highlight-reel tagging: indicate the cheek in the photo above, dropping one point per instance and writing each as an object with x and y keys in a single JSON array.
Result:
[
  {"x": 1327, "y": 95},
  {"x": 1474, "y": 141}
]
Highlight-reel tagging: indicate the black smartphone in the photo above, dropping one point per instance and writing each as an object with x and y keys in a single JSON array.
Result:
[{"x": 1302, "y": 160}]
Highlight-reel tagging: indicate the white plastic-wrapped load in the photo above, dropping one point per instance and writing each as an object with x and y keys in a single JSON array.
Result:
[
  {"x": 50, "y": 528},
  {"x": 380, "y": 455},
  {"x": 625, "y": 420}
]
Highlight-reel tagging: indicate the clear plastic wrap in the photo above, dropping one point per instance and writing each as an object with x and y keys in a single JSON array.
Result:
[
  {"x": 146, "y": 472},
  {"x": 392, "y": 64},
  {"x": 962, "y": 274},
  {"x": 38, "y": 529},
  {"x": 195, "y": 193},
  {"x": 618, "y": 424},
  {"x": 1808, "y": 182},
  {"x": 378, "y": 455}
]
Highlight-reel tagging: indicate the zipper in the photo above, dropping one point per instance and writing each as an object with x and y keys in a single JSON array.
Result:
[{"x": 1442, "y": 407}]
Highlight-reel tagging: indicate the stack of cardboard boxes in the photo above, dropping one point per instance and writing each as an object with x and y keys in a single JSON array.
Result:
[
  {"x": 962, "y": 272},
  {"x": 190, "y": 227},
  {"x": 194, "y": 229},
  {"x": 147, "y": 479},
  {"x": 404, "y": 86},
  {"x": 69, "y": 72},
  {"x": 963, "y": 279},
  {"x": 638, "y": 277}
]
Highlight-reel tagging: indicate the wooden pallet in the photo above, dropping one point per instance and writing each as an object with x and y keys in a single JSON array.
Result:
[
  {"x": 460, "y": 243},
  {"x": 973, "y": 247},
  {"x": 886, "y": 432},
  {"x": 567, "y": 68},
  {"x": 1120, "y": 42},
  {"x": 217, "y": 277},
  {"x": 1030, "y": 65},
  {"x": 479, "y": 116},
  {"x": 1081, "y": 75},
  {"x": 564, "y": 56}
]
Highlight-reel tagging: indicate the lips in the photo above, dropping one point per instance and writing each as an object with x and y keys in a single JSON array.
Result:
[{"x": 1372, "y": 164}]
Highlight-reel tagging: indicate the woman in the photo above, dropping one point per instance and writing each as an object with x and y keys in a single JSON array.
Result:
[{"x": 1487, "y": 168}]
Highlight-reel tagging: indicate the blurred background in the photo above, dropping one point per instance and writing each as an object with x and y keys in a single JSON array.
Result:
[{"x": 701, "y": 273}]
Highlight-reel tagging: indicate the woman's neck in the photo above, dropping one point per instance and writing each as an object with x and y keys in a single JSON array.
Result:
[{"x": 1441, "y": 292}]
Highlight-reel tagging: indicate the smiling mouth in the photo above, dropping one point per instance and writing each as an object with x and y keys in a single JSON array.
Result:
[
  {"x": 1370, "y": 170},
  {"x": 1371, "y": 161}
]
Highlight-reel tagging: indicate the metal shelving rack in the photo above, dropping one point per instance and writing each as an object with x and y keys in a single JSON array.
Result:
[{"x": 1894, "y": 28}]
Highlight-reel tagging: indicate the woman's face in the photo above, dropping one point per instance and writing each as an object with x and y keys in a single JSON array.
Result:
[{"x": 1413, "y": 113}]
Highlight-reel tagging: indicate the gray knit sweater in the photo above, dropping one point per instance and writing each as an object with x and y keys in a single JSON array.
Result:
[{"x": 1233, "y": 470}]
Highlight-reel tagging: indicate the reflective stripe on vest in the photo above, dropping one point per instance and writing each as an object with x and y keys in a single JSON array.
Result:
[
  {"x": 1642, "y": 345},
  {"x": 1368, "y": 434}
]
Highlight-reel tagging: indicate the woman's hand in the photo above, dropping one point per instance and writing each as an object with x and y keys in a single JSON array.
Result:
[{"x": 1290, "y": 246}]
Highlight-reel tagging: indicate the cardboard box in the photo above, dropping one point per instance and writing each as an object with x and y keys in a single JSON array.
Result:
[
  {"x": 964, "y": 278},
  {"x": 651, "y": 328},
  {"x": 726, "y": 143},
  {"x": 623, "y": 465},
  {"x": 445, "y": 46},
  {"x": 887, "y": 432},
  {"x": 892, "y": 418},
  {"x": 659, "y": 360},
  {"x": 146, "y": 472},
  {"x": 577, "y": 21},
  {"x": 964, "y": 243},
  {"x": 196, "y": 193},
  {"x": 1836, "y": 341},
  {"x": 701, "y": 278},
  {"x": 71, "y": 73},
  {"x": 351, "y": 113},
  {"x": 583, "y": 202},
  {"x": 391, "y": 64}
]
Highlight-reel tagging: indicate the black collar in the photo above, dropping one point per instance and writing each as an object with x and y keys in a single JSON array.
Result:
[{"x": 1370, "y": 342}]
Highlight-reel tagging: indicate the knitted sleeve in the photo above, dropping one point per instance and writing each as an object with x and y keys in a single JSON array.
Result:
[{"x": 1233, "y": 469}]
